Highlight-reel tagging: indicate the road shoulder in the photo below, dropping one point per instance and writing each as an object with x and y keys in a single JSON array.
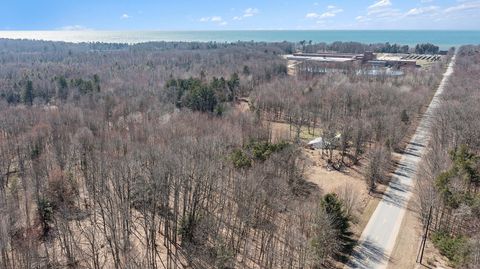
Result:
[{"x": 407, "y": 244}]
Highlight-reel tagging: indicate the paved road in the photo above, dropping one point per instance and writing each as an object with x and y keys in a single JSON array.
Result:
[{"x": 378, "y": 239}]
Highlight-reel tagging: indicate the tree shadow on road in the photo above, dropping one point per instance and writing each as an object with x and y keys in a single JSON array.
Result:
[
  {"x": 366, "y": 254},
  {"x": 395, "y": 199}
]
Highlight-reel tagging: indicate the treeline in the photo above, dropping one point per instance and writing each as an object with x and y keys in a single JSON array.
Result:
[
  {"x": 48, "y": 47},
  {"x": 357, "y": 47},
  {"x": 426, "y": 49},
  {"x": 127, "y": 69},
  {"x": 387, "y": 48},
  {"x": 449, "y": 179}
]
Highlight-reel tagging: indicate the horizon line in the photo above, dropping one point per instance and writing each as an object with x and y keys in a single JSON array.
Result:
[{"x": 218, "y": 30}]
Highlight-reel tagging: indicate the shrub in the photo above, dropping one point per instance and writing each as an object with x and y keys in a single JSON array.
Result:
[
  {"x": 240, "y": 159},
  {"x": 256, "y": 150},
  {"x": 187, "y": 228},
  {"x": 263, "y": 150},
  {"x": 224, "y": 256},
  {"x": 453, "y": 247},
  {"x": 334, "y": 208},
  {"x": 45, "y": 215},
  {"x": 404, "y": 116}
]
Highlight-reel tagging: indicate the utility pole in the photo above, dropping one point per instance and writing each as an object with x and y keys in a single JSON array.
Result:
[{"x": 424, "y": 239}]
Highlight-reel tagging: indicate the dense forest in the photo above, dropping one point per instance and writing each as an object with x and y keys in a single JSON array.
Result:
[
  {"x": 137, "y": 156},
  {"x": 449, "y": 181}
]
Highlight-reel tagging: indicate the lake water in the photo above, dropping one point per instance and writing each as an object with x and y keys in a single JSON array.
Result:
[{"x": 444, "y": 39}]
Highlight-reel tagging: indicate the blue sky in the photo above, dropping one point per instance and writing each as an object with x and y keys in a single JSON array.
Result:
[{"x": 237, "y": 15}]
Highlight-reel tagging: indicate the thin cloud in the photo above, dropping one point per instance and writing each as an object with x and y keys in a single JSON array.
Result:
[
  {"x": 466, "y": 6},
  {"x": 430, "y": 10},
  {"x": 312, "y": 15},
  {"x": 247, "y": 13},
  {"x": 328, "y": 14},
  {"x": 331, "y": 12},
  {"x": 384, "y": 11},
  {"x": 362, "y": 19},
  {"x": 380, "y": 4},
  {"x": 381, "y": 9},
  {"x": 214, "y": 19},
  {"x": 73, "y": 28},
  {"x": 125, "y": 16}
]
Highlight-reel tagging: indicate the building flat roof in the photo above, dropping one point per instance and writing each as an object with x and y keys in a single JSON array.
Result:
[
  {"x": 319, "y": 59},
  {"x": 328, "y": 55}
]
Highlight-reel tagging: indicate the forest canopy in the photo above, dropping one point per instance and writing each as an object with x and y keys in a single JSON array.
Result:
[{"x": 162, "y": 155}]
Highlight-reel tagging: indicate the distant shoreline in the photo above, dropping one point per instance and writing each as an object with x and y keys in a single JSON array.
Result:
[{"x": 442, "y": 38}]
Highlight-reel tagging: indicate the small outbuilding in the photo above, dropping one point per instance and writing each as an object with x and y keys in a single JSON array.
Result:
[{"x": 321, "y": 143}]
